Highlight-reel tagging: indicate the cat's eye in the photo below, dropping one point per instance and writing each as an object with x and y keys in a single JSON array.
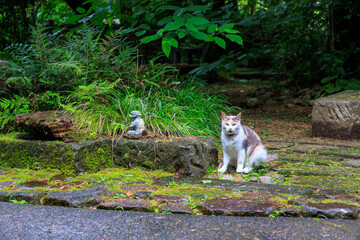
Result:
[{"x": 226, "y": 124}]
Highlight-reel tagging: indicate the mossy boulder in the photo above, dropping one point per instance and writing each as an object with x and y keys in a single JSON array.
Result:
[{"x": 188, "y": 155}]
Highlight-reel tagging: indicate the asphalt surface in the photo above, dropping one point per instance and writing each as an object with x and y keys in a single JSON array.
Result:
[{"x": 19, "y": 221}]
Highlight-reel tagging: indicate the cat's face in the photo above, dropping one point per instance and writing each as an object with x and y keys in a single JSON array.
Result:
[{"x": 231, "y": 124}]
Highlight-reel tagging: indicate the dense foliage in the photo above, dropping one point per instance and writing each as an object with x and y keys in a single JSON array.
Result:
[{"x": 116, "y": 54}]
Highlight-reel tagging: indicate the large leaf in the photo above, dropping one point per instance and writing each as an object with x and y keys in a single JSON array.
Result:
[
  {"x": 166, "y": 46},
  {"x": 181, "y": 33},
  {"x": 198, "y": 21},
  {"x": 235, "y": 38},
  {"x": 191, "y": 27},
  {"x": 174, "y": 42},
  {"x": 171, "y": 26},
  {"x": 226, "y": 27},
  {"x": 179, "y": 19},
  {"x": 140, "y": 33},
  {"x": 164, "y": 21},
  {"x": 200, "y": 36},
  {"x": 144, "y": 26},
  {"x": 150, "y": 38},
  {"x": 221, "y": 42},
  {"x": 168, "y": 7},
  {"x": 212, "y": 28},
  {"x": 195, "y": 8}
]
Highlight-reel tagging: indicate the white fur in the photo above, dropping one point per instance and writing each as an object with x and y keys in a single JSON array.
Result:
[{"x": 234, "y": 154}]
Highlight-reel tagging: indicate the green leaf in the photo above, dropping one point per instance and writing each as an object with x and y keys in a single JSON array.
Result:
[
  {"x": 174, "y": 42},
  {"x": 195, "y": 8},
  {"x": 221, "y": 42},
  {"x": 164, "y": 21},
  {"x": 181, "y": 33},
  {"x": 144, "y": 26},
  {"x": 150, "y": 38},
  {"x": 226, "y": 27},
  {"x": 166, "y": 46},
  {"x": 179, "y": 12},
  {"x": 206, "y": 181},
  {"x": 168, "y": 7},
  {"x": 179, "y": 19},
  {"x": 140, "y": 33},
  {"x": 198, "y": 21},
  {"x": 212, "y": 28},
  {"x": 191, "y": 27},
  {"x": 231, "y": 31},
  {"x": 80, "y": 10},
  {"x": 235, "y": 38},
  {"x": 200, "y": 36},
  {"x": 171, "y": 26}
]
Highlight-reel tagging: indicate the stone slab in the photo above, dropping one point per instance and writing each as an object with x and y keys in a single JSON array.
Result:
[
  {"x": 337, "y": 115},
  {"x": 330, "y": 210},
  {"x": 179, "y": 208},
  {"x": 77, "y": 198},
  {"x": 29, "y": 197},
  {"x": 139, "y": 205},
  {"x": 168, "y": 199},
  {"x": 238, "y": 206},
  {"x": 237, "y": 186}
]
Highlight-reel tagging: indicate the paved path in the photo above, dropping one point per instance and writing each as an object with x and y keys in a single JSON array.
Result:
[{"x": 45, "y": 222}]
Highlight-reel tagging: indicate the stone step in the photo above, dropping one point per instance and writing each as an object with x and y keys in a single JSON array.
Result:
[
  {"x": 236, "y": 186},
  {"x": 328, "y": 182},
  {"x": 318, "y": 170}
]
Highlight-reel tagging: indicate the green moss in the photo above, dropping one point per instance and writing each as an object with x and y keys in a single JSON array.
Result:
[
  {"x": 94, "y": 158},
  {"x": 149, "y": 164}
]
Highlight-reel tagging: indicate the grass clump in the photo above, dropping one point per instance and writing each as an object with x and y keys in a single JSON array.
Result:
[{"x": 99, "y": 80}]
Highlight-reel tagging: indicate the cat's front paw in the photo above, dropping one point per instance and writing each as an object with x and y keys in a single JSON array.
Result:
[
  {"x": 221, "y": 170},
  {"x": 239, "y": 170},
  {"x": 247, "y": 170}
]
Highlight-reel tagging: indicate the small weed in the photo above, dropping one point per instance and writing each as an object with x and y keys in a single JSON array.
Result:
[
  {"x": 21, "y": 202},
  {"x": 167, "y": 212},
  {"x": 211, "y": 170}
]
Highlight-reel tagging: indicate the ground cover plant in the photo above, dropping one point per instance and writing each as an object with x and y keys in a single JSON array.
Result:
[{"x": 98, "y": 81}]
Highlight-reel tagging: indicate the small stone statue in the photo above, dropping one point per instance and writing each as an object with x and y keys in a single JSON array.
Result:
[{"x": 137, "y": 126}]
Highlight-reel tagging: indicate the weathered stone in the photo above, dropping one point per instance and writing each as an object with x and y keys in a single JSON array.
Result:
[
  {"x": 166, "y": 198},
  {"x": 238, "y": 206},
  {"x": 46, "y": 125},
  {"x": 266, "y": 179},
  {"x": 69, "y": 158},
  {"x": 178, "y": 207},
  {"x": 6, "y": 184},
  {"x": 142, "y": 194},
  {"x": 189, "y": 155},
  {"x": 237, "y": 186},
  {"x": 139, "y": 205},
  {"x": 330, "y": 210},
  {"x": 253, "y": 179},
  {"x": 227, "y": 177},
  {"x": 278, "y": 176},
  {"x": 29, "y": 197},
  {"x": 77, "y": 198},
  {"x": 332, "y": 194},
  {"x": 31, "y": 184},
  {"x": 352, "y": 163},
  {"x": 337, "y": 115},
  {"x": 289, "y": 212},
  {"x": 136, "y": 187},
  {"x": 67, "y": 186}
]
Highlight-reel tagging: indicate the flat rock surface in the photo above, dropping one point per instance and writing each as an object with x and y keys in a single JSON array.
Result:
[
  {"x": 238, "y": 206},
  {"x": 238, "y": 186},
  {"x": 139, "y": 205},
  {"x": 167, "y": 199},
  {"x": 178, "y": 207},
  {"x": 330, "y": 210},
  {"x": 77, "y": 198},
  {"x": 48, "y": 222}
]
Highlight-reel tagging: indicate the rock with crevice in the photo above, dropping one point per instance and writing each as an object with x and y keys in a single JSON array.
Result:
[
  {"x": 77, "y": 198},
  {"x": 238, "y": 206},
  {"x": 337, "y": 115},
  {"x": 179, "y": 208},
  {"x": 166, "y": 199},
  {"x": 139, "y": 205},
  {"x": 31, "y": 184},
  {"x": 29, "y": 197},
  {"x": 330, "y": 210}
]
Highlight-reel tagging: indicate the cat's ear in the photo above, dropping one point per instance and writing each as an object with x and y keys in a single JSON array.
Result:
[
  {"x": 238, "y": 117},
  {"x": 223, "y": 116}
]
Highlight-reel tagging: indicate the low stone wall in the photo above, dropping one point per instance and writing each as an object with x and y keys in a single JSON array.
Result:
[{"x": 189, "y": 155}]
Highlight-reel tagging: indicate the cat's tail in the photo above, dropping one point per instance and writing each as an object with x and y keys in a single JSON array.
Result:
[{"x": 272, "y": 157}]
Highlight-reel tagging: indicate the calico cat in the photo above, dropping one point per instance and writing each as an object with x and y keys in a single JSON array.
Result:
[{"x": 242, "y": 147}]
